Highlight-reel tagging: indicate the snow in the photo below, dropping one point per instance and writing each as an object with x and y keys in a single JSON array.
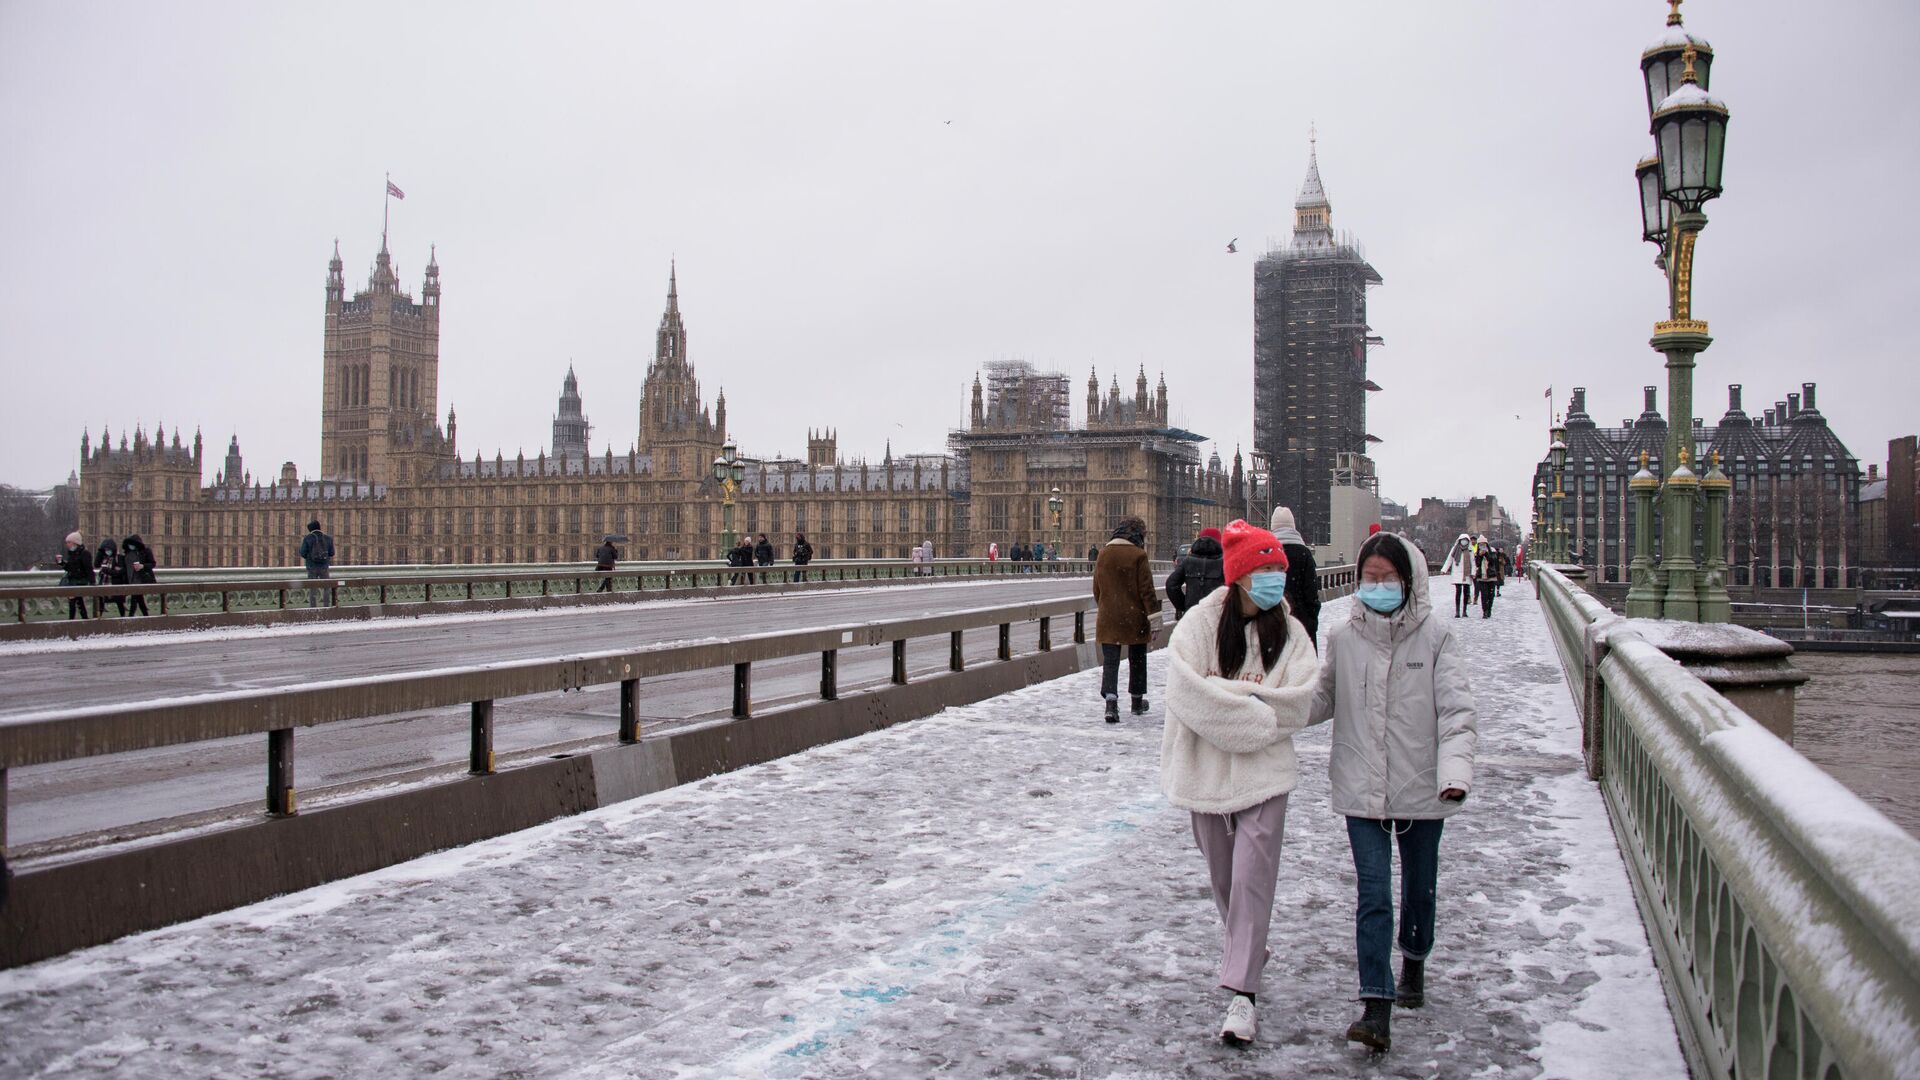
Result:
[{"x": 997, "y": 890}]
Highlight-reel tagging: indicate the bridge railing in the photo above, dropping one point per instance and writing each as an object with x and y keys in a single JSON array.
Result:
[
  {"x": 65, "y": 735},
  {"x": 212, "y": 592},
  {"x": 1786, "y": 911}
]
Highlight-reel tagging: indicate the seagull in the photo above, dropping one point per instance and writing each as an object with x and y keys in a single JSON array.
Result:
[
  {"x": 1230, "y": 248},
  {"x": 946, "y": 121}
]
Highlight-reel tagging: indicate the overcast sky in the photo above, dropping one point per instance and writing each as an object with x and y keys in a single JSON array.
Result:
[{"x": 869, "y": 200}]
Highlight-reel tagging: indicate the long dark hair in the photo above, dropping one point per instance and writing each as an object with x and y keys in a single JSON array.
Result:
[
  {"x": 1395, "y": 553},
  {"x": 1230, "y": 640}
]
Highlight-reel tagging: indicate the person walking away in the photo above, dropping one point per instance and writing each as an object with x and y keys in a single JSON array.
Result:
[
  {"x": 1486, "y": 577},
  {"x": 1197, "y": 573},
  {"x": 919, "y": 560},
  {"x": 316, "y": 551},
  {"x": 76, "y": 568},
  {"x": 109, "y": 570},
  {"x": 1459, "y": 570},
  {"x": 1240, "y": 682},
  {"x": 1093, "y": 553},
  {"x": 1394, "y": 682},
  {"x": 993, "y": 551},
  {"x": 139, "y": 563},
  {"x": 1123, "y": 592},
  {"x": 926, "y": 555},
  {"x": 763, "y": 556},
  {"x": 604, "y": 561},
  {"x": 1303, "y": 576},
  {"x": 802, "y": 555}
]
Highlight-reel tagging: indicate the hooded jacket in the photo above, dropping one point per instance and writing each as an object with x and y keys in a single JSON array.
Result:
[
  {"x": 1396, "y": 689},
  {"x": 1200, "y": 571},
  {"x": 1228, "y": 742},
  {"x": 1459, "y": 564}
]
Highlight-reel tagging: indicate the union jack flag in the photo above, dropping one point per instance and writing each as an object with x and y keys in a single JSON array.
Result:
[{"x": 393, "y": 189}]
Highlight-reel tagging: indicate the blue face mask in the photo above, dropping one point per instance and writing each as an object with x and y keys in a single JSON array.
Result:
[
  {"x": 1268, "y": 588},
  {"x": 1381, "y": 596}
]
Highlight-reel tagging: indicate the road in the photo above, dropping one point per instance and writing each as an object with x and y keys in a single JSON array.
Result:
[{"x": 92, "y": 801}]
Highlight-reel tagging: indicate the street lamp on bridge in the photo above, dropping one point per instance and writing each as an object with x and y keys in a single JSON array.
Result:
[
  {"x": 1557, "y": 547},
  {"x": 1056, "y": 504},
  {"x": 729, "y": 470},
  {"x": 1689, "y": 128}
]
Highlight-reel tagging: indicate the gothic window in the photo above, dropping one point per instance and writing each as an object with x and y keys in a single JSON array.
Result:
[
  {"x": 1080, "y": 514},
  {"x": 997, "y": 515},
  {"x": 640, "y": 519},
  {"x": 670, "y": 520}
]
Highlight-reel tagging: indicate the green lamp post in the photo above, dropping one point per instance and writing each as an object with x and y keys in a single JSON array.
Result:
[
  {"x": 1558, "y": 453},
  {"x": 729, "y": 471}
]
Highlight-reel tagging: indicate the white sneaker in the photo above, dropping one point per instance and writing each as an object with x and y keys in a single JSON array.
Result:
[{"x": 1237, "y": 1029}]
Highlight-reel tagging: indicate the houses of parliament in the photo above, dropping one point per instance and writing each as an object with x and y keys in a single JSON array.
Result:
[{"x": 394, "y": 488}]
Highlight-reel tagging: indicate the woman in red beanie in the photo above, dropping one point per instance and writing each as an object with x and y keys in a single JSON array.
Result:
[{"x": 1240, "y": 682}]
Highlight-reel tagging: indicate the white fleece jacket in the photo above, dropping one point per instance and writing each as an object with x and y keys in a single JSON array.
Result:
[{"x": 1228, "y": 742}]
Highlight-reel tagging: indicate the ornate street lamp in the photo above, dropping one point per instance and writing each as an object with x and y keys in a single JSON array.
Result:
[
  {"x": 1539, "y": 522},
  {"x": 1689, "y": 128},
  {"x": 1558, "y": 453},
  {"x": 1056, "y": 504},
  {"x": 729, "y": 471}
]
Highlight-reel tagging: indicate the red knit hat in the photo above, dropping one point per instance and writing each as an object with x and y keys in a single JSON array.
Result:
[
  {"x": 1210, "y": 532},
  {"x": 1373, "y": 528},
  {"x": 1250, "y": 548}
]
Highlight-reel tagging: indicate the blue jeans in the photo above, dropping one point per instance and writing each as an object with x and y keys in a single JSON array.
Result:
[{"x": 1373, "y": 918}]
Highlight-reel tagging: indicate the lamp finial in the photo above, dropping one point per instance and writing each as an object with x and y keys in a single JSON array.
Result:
[
  {"x": 1690, "y": 55},
  {"x": 1644, "y": 456},
  {"x": 1673, "y": 12}
]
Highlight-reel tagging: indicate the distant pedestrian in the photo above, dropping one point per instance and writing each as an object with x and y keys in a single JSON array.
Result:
[
  {"x": 1394, "y": 683},
  {"x": 1123, "y": 592},
  {"x": 1486, "y": 577},
  {"x": 76, "y": 568},
  {"x": 1093, "y": 553},
  {"x": 1303, "y": 576},
  {"x": 1240, "y": 681},
  {"x": 763, "y": 553},
  {"x": 919, "y": 560},
  {"x": 1197, "y": 573},
  {"x": 605, "y": 560},
  {"x": 109, "y": 569},
  {"x": 1459, "y": 570},
  {"x": 140, "y": 565},
  {"x": 993, "y": 551},
  {"x": 316, "y": 551},
  {"x": 926, "y": 555},
  {"x": 802, "y": 555}
]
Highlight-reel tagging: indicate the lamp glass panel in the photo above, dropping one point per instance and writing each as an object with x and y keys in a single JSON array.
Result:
[
  {"x": 1669, "y": 138},
  {"x": 1693, "y": 150},
  {"x": 1651, "y": 204},
  {"x": 1702, "y": 68},
  {"x": 1661, "y": 77},
  {"x": 1716, "y": 151}
]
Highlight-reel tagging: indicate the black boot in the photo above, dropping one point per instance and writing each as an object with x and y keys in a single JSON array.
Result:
[
  {"x": 1139, "y": 705},
  {"x": 1412, "y": 991},
  {"x": 1374, "y": 1029},
  {"x": 1113, "y": 710}
]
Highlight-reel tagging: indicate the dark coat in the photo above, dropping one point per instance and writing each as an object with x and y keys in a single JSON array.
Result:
[
  {"x": 1093, "y": 553},
  {"x": 763, "y": 553},
  {"x": 607, "y": 557},
  {"x": 139, "y": 560},
  {"x": 1123, "y": 589},
  {"x": 802, "y": 553},
  {"x": 1303, "y": 588},
  {"x": 316, "y": 550},
  {"x": 76, "y": 567},
  {"x": 1200, "y": 571},
  {"x": 108, "y": 567}
]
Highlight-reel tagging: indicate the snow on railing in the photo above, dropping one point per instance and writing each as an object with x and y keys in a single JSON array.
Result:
[{"x": 1786, "y": 911}]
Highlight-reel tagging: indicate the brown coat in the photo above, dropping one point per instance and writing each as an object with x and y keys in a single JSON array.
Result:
[{"x": 1123, "y": 588}]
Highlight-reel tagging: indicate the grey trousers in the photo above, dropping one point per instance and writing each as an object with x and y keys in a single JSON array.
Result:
[{"x": 1243, "y": 864}]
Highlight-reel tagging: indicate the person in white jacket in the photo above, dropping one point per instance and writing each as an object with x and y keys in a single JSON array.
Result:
[
  {"x": 1459, "y": 570},
  {"x": 1394, "y": 682},
  {"x": 1241, "y": 678}
]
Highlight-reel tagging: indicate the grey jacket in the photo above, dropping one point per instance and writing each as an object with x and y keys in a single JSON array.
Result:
[{"x": 1403, "y": 721}]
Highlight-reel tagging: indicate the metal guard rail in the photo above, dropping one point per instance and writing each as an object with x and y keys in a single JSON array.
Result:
[
  {"x": 1786, "y": 910},
  {"x": 44, "y": 602},
  {"x": 63, "y": 735}
]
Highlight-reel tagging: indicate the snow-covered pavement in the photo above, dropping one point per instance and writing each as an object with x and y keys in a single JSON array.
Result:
[{"x": 999, "y": 890}]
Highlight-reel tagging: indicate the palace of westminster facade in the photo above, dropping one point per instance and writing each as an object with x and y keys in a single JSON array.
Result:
[{"x": 394, "y": 488}]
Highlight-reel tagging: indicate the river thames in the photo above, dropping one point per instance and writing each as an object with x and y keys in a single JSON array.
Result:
[{"x": 1858, "y": 717}]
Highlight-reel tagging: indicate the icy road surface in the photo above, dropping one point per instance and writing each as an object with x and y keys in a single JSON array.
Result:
[{"x": 999, "y": 890}]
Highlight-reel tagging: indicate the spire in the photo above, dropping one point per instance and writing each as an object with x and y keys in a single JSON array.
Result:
[
  {"x": 673, "y": 284},
  {"x": 1312, "y": 212}
]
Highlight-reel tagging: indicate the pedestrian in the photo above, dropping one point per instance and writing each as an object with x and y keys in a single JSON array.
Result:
[
  {"x": 1459, "y": 568},
  {"x": 919, "y": 560},
  {"x": 1303, "y": 576},
  {"x": 604, "y": 561},
  {"x": 1394, "y": 683},
  {"x": 139, "y": 564},
  {"x": 76, "y": 568},
  {"x": 802, "y": 555},
  {"x": 1486, "y": 577},
  {"x": 763, "y": 553},
  {"x": 1093, "y": 553},
  {"x": 316, "y": 551},
  {"x": 1197, "y": 573},
  {"x": 993, "y": 551},
  {"x": 1123, "y": 592},
  {"x": 108, "y": 569},
  {"x": 1240, "y": 681},
  {"x": 926, "y": 555}
]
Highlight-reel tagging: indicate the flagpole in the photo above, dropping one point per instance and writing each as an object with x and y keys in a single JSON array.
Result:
[{"x": 386, "y": 201}]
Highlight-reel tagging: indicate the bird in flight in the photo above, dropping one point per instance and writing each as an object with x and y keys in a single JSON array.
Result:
[
  {"x": 1230, "y": 245},
  {"x": 946, "y": 121}
]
